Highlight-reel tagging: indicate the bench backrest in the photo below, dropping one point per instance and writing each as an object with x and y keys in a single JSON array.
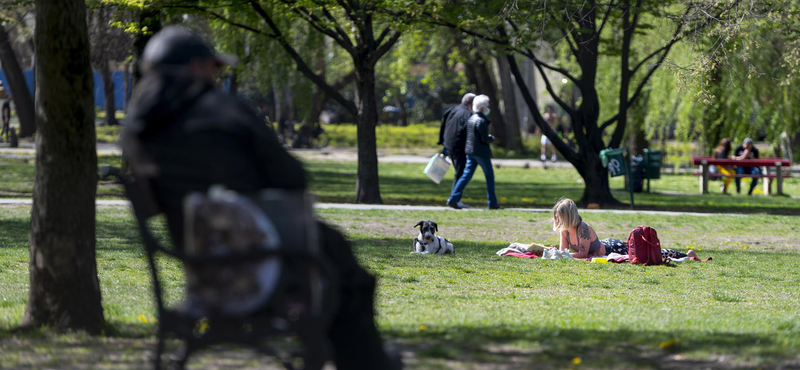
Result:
[{"x": 761, "y": 162}]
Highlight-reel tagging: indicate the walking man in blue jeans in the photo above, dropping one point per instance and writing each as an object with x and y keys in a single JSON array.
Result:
[
  {"x": 479, "y": 153},
  {"x": 746, "y": 151}
]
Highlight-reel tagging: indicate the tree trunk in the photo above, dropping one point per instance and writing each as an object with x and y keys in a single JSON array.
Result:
[
  {"x": 398, "y": 101},
  {"x": 276, "y": 95},
  {"x": 596, "y": 185},
  {"x": 64, "y": 289},
  {"x": 17, "y": 85},
  {"x": 512, "y": 131},
  {"x": 587, "y": 160},
  {"x": 234, "y": 88},
  {"x": 637, "y": 114},
  {"x": 317, "y": 105},
  {"x": 487, "y": 86},
  {"x": 108, "y": 95},
  {"x": 288, "y": 108},
  {"x": 319, "y": 98},
  {"x": 126, "y": 82},
  {"x": 367, "y": 183}
]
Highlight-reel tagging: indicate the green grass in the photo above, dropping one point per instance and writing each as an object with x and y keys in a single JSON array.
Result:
[
  {"x": 475, "y": 309},
  {"x": 516, "y": 187},
  {"x": 18, "y": 177},
  {"x": 108, "y": 134},
  {"x": 539, "y": 188}
]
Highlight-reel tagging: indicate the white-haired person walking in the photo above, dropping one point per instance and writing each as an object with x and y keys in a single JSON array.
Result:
[{"x": 479, "y": 153}]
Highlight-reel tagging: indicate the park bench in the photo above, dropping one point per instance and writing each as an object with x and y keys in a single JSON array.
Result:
[
  {"x": 764, "y": 163},
  {"x": 290, "y": 325}
]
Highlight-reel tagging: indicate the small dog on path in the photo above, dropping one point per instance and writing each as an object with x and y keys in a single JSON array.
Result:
[{"x": 427, "y": 242}]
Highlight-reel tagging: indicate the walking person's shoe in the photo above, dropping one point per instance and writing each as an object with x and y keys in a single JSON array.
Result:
[
  {"x": 543, "y": 158},
  {"x": 453, "y": 205},
  {"x": 554, "y": 158},
  {"x": 496, "y": 207},
  {"x": 463, "y": 205}
]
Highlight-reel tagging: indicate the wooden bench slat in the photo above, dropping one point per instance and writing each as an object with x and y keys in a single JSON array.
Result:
[
  {"x": 770, "y": 176},
  {"x": 760, "y": 162}
]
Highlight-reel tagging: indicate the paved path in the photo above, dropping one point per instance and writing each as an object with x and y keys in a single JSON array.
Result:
[
  {"x": 368, "y": 207},
  {"x": 26, "y": 150}
]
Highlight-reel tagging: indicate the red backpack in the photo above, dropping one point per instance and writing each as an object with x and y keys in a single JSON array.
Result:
[{"x": 644, "y": 248}]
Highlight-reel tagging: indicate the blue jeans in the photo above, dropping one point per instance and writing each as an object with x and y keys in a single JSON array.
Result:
[
  {"x": 469, "y": 169},
  {"x": 749, "y": 171}
]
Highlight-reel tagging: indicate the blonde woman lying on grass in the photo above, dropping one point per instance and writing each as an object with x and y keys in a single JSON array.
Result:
[{"x": 581, "y": 238}]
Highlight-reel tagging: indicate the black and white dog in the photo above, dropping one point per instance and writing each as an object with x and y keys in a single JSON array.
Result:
[{"x": 428, "y": 242}]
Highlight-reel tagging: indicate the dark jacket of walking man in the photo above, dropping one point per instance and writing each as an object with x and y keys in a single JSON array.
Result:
[
  {"x": 199, "y": 136},
  {"x": 452, "y": 134}
]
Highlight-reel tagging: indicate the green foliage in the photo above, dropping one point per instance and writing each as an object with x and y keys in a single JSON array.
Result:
[
  {"x": 412, "y": 136},
  {"x": 748, "y": 88}
]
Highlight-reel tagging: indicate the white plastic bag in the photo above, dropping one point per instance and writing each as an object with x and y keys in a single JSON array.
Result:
[{"x": 436, "y": 168}]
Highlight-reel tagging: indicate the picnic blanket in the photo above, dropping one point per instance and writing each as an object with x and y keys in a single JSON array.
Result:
[
  {"x": 555, "y": 254},
  {"x": 622, "y": 258},
  {"x": 516, "y": 250}
]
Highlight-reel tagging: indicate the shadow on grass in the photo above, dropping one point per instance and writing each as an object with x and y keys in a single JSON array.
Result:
[
  {"x": 512, "y": 347},
  {"x": 481, "y": 347}
]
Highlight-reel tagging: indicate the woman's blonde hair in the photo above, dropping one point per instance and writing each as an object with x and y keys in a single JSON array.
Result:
[{"x": 565, "y": 215}]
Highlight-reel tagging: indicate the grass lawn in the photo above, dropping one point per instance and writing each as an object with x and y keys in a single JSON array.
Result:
[
  {"x": 539, "y": 188},
  {"x": 516, "y": 187},
  {"x": 475, "y": 310}
]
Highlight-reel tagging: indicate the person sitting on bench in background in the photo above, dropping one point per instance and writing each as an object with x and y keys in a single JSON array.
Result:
[
  {"x": 723, "y": 151},
  {"x": 746, "y": 151}
]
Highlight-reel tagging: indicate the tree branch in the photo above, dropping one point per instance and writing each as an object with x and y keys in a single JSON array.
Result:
[
  {"x": 605, "y": 17},
  {"x": 532, "y": 56},
  {"x": 218, "y": 16},
  {"x": 318, "y": 24},
  {"x": 338, "y": 27},
  {"x": 302, "y": 66},
  {"x": 569, "y": 154},
  {"x": 538, "y": 65},
  {"x": 383, "y": 48}
]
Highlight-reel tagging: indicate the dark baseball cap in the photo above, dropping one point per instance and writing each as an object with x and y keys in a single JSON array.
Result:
[{"x": 176, "y": 45}]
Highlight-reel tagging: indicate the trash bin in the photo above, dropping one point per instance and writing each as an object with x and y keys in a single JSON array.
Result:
[
  {"x": 652, "y": 164},
  {"x": 637, "y": 174},
  {"x": 614, "y": 160}
]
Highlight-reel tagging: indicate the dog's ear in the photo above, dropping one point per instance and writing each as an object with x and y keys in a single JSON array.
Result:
[
  {"x": 435, "y": 226},
  {"x": 419, "y": 224}
]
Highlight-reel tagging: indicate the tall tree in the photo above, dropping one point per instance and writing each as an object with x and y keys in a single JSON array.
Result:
[
  {"x": 512, "y": 131},
  {"x": 64, "y": 288},
  {"x": 108, "y": 43},
  {"x": 365, "y": 30},
  {"x": 16, "y": 83},
  {"x": 588, "y": 31}
]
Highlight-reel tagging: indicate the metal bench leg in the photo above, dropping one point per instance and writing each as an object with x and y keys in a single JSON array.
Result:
[
  {"x": 767, "y": 181},
  {"x": 704, "y": 178},
  {"x": 182, "y": 357},
  {"x": 778, "y": 178}
]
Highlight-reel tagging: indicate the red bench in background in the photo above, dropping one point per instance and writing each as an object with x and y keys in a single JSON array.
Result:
[{"x": 763, "y": 163}]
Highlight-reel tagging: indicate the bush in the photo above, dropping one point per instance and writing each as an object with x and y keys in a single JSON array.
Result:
[{"x": 422, "y": 135}]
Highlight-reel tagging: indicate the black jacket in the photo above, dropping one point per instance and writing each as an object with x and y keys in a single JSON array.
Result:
[
  {"x": 198, "y": 136},
  {"x": 452, "y": 131},
  {"x": 478, "y": 138}
]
